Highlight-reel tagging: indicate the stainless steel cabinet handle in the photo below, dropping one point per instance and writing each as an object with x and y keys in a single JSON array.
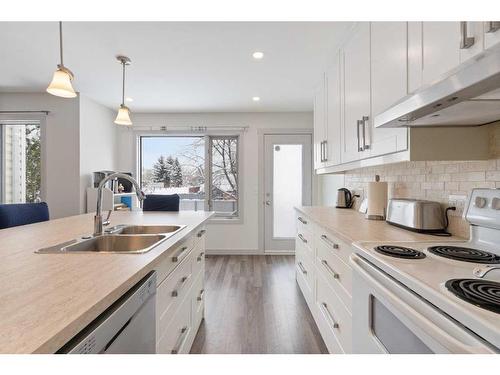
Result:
[
  {"x": 330, "y": 269},
  {"x": 201, "y": 233},
  {"x": 357, "y": 133},
  {"x": 325, "y": 150},
  {"x": 329, "y": 241},
  {"x": 322, "y": 151},
  {"x": 366, "y": 146},
  {"x": 180, "y": 340},
  {"x": 302, "y": 238},
  {"x": 330, "y": 316},
  {"x": 466, "y": 41},
  {"x": 492, "y": 26},
  {"x": 175, "y": 293},
  {"x": 200, "y": 297},
  {"x": 200, "y": 257},
  {"x": 302, "y": 220},
  {"x": 302, "y": 269},
  {"x": 182, "y": 254}
]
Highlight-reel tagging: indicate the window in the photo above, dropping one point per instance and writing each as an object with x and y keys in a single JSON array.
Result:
[
  {"x": 203, "y": 170},
  {"x": 20, "y": 162}
]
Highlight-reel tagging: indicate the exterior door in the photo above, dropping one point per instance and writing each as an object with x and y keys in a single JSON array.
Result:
[{"x": 287, "y": 183}]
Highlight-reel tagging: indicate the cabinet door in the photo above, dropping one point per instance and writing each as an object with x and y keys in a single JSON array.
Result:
[
  {"x": 319, "y": 125},
  {"x": 334, "y": 113},
  {"x": 473, "y": 30},
  {"x": 389, "y": 73},
  {"x": 356, "y": 64},
  {"x": 491, "y": 33},
  {"x": 441, "y": 49}
]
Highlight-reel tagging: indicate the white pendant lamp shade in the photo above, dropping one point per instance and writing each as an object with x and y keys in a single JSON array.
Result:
[
  {"x": 123, "y": 116},
  {"x": 61, "y": 84},
  {"x": 61, "y": 81}
]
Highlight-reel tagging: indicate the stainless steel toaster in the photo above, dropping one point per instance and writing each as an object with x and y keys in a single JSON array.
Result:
[{"x": 416, "y": 215}]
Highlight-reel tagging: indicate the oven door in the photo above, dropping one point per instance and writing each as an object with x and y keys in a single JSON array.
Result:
[{"x": 390, "y": 318}]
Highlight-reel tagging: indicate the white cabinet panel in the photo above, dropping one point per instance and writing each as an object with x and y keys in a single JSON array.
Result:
[
  {"x": 334, "y": 113},
  {"x": 441, "y": 49},
  {"x": 389, "y": 72},
  {"x": 319, "y": 124},
  {"x": 356, "y": 64},
  {"x": 414, "y": 56},
  {"x": 491, "y": 34}
]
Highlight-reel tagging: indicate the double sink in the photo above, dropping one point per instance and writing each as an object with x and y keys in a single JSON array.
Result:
[{"x": 122, "y": 239}]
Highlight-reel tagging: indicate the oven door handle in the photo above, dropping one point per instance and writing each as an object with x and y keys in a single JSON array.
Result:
[{"x": 430, "y": 329}]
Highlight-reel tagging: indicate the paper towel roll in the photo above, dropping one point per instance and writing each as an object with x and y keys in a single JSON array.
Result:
[{"x": 377, "y": 200}]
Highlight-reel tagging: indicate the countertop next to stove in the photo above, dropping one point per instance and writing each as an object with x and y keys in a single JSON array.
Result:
[{"x": 351, "y": 226}]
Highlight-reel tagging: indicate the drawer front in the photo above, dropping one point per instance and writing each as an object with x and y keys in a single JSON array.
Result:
[
  {"x": 340, "y": 248},
  {"x": 333, "y": 312},
  {"x": 303, "y": 242},
  {"x": 336, "y": 273},
  {"x": 175, "y": 339},
  {"x": 172, "y": 292},
  {"x": 174, "y": 258},
  {"x": 304, "y": 225},
  {"x": 305, "y": 270},
  {"x": 198, "y": 301},
  {"x": 198, "y": 259}
]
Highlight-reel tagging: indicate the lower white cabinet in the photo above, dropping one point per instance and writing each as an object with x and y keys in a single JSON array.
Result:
[
  {"x": 179, "y": 298},
  {"x": 325, "y": 280}
]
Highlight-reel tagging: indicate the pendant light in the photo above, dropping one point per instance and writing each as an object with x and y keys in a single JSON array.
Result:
[
  {"x": 61, "y": 81},
  {"x": 123, "y": 116}
]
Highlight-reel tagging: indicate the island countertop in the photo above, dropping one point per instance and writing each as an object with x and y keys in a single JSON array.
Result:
[{"x": 46, "y": 299}]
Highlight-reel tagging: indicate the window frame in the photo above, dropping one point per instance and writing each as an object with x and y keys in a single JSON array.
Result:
[{"x": 208, "y": 136}]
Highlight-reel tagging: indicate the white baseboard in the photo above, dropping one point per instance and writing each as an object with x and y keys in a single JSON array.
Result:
[{"x": 246, "y": 252}]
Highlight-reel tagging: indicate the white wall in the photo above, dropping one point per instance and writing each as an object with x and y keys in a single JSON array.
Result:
[
  {"x": 97, "y": 143},
  {"x": 237, "y": 238},
  {"x": 62, "y": 147},
  {"x": 328, "y": 186}
]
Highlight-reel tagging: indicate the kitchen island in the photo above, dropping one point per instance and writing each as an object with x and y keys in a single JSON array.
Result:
[{"x": 46, "y": 299}]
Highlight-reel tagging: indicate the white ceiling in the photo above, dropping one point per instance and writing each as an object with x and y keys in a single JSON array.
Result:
[{"x": 176, "y": 67}]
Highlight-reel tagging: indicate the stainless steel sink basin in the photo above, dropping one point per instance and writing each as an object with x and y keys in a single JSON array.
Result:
[
  {"x": 145, "y": 229},
  {"x": 122, "y": 244}
]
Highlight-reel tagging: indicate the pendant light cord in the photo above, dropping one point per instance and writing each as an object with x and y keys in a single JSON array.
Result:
[
  {"x": 61, "y": 42},
  {"x": 123, "y": 84}
]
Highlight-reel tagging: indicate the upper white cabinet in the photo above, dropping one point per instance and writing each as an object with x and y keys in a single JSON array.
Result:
[
  {"x": 491, "y": 33},
  {"x": 356, "y": 94},
  {"x": 320, "y": 125},
  {"x": 389, "y": 83}
]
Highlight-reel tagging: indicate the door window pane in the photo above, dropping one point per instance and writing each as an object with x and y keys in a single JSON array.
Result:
[
  {"x": 20, "y": 154},
  {"x": 287, "y": 188}
]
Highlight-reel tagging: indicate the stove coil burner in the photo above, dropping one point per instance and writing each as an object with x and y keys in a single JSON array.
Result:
[
  {"x": 484, "y": 294},
  {"x": 399, "y": 252},
  {"x": 465, "y": 254}
]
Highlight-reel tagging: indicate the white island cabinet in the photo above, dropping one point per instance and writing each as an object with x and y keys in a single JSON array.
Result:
[{"x": 180, "y": 292}]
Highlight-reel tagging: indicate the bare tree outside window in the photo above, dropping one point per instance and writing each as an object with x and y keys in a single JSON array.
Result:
[{"x": 224, "y": 173}]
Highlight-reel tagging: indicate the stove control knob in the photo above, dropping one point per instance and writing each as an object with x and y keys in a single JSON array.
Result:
[
  {"x": 480, "y": 202},
  {"x": 495, "y": 204}
]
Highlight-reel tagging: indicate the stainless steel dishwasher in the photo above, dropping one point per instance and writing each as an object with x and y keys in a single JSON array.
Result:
[{"x": 126, "y": 327}]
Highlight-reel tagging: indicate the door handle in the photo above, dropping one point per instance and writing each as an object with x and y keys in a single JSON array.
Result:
[
  {"x": 492, "y": 26},
  {"x": 466, "y": 41},
  {"x": 363, "y": 121},
  {"x": 357, "y": 134}
]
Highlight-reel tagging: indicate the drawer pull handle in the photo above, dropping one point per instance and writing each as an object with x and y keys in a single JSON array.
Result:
[
  {"x": 492, "y": 26},
  {"x": 330, "y": 316},
  {"x": 302, "y": 238},
  {"x": 325, "y": 238},
  {"x": 181, "y": 255},
  {"x": 200, "y": 297},
  {"x": 180, "y": 340},
  {"x": 330, "y": 269},
  {"x": 302, "y": 220},
  {"x": 302, "y": 269},
  {"x": 175, "y": 293},
  {"x": 201, "y": 232},
  {"x": 200, "y": 257}
]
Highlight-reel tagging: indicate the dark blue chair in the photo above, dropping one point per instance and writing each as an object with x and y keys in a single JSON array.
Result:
[
  {"x": 161, "y": 203},
  {"x": 13, "y": 215}
]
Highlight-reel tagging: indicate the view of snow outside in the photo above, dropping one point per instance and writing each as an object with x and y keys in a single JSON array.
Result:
[{"x": 176, "y": 165}]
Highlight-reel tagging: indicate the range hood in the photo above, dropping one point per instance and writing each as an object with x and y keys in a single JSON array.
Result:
[{"x": 469, "y": 96}]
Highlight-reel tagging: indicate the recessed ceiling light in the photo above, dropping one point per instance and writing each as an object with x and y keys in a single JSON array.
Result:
[
  {"x": 258, "y": 55},
  {"x": 256, "y": 99},
  {"x": 129, "y": 99}
]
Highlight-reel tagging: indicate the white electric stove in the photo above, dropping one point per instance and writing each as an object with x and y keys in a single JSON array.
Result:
[{"x": 431, "y": 297}]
